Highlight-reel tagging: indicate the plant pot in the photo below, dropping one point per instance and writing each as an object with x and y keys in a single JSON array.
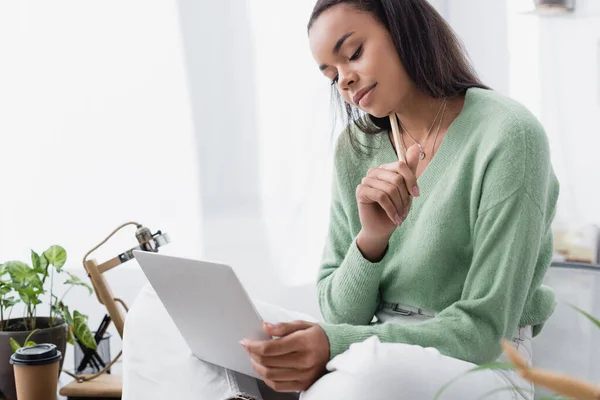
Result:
[{"x": 56, "y": 335}]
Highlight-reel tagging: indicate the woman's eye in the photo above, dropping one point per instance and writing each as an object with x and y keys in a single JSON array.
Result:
[
  {"x": 355, "y": 56},
  {"x": 357, "y": 53}
]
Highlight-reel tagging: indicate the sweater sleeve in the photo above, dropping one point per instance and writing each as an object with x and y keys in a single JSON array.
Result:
[
  {"x": 495, "y": 291},
  {"x": 348, "y": 284}
]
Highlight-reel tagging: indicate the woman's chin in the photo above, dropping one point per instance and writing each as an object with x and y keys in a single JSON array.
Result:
[{"x": 376, "y": 112}]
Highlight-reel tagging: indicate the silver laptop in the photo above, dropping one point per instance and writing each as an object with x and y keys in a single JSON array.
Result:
[{"x": 209, "y": 306}]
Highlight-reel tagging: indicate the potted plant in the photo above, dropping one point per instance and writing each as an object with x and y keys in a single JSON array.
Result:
[{"x": 25, "y": 284}]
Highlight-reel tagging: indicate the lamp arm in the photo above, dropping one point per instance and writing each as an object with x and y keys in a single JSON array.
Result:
[
  {"x": 108, "y": 237},
  {"x": 101, "y": 288}
]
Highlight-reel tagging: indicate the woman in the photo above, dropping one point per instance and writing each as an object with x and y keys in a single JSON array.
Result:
[{"x": 429, "y": 262}]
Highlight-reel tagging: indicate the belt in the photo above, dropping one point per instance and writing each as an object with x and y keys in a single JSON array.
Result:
[{"x": 403, "y": 309}]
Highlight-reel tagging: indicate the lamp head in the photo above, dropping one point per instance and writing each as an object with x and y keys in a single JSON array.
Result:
[{"x": 147, "y": 242}]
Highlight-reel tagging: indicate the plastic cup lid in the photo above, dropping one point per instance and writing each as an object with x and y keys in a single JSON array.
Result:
[{"x": 40, "y": 354}]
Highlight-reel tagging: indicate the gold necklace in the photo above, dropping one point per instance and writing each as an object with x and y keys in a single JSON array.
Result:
[
  {"x": 438, "y": 130},
  {"x": 419, "y": 145}
]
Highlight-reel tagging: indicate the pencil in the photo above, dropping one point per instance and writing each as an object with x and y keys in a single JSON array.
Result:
[
  {"x": 400, "y": 150},
  {"x": 396, "y": 135}
]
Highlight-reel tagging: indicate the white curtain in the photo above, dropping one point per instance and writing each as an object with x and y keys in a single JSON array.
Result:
[
  {"x": 95, "y": 131},
  {"x": 96, "y": 128},
  {"x": 296, "y": 137}
]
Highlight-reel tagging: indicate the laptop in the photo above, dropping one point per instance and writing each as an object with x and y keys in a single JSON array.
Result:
[{"x": 209, "y": 306}]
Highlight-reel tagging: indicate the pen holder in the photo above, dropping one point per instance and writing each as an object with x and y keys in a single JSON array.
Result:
[{"x": 92, "y": 361}]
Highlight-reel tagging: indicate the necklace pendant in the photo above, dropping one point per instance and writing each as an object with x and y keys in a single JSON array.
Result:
[{"x": 421, "y": 155}]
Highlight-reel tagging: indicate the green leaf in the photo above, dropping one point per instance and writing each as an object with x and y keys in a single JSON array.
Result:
[
  {"x": 26, "y": 289},
  {"x": 70, "y": 339},
  {"x": 589, "y": 316},
  {"x": 57, "y": 311},
  {"x": 3, "y": 269},
  {"x": 67, "y": 315},
  {"x": 56, "y": 256},
  {"x": 39, "y": 263},
  {"x": 29, "y": 344},
  {"x": 27, "y": 340},
  {"x": 82, "y": 331},
  {"x": 14, "y": 345},
  {"x": 74, "y": 280},
  {"x": 25, "y": 280},
  {"x": 19, "y": 271},
  {"x": 491, "y": 365},
  {"x": 35, "y": 261},
  {"x": 29, "y": 296},
  {"x": 43, "y": 262},
  {"x": 9, "y": 302},
  {"x": 4, "y": 288}
]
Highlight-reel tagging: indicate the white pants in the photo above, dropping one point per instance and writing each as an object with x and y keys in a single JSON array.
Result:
[{"x": 159, "y": 365}]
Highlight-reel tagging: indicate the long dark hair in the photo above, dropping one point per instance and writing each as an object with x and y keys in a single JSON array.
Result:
[{"x": 431, "y": 53}]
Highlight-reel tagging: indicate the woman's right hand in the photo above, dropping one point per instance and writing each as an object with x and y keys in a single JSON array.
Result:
[{"x": 384, "y": 199}]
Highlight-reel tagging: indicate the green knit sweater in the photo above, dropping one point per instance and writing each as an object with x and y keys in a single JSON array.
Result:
[{"x": 474, "y": 248}]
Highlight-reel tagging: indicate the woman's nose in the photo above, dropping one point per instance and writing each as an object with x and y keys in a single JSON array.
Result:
[{"x": 347, "y": 79}]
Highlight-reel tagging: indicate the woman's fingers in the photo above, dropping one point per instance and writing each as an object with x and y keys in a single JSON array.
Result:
[
  {"x": 409, "y": 180},
  {"x": 398, "y": 181},
  {"x": 367, "y": 194},
  {"x": 392, "y": 191},
  {"x": 407, "y": 169},
  {"x": 391, "y": 186},
  {"x": 412, "y": 159},
  {"x": 291, "y": 360}
]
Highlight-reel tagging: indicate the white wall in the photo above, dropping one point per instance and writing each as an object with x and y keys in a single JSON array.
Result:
[
  {"x": 96, "y": 130},
  {"x": 555, "y": 71},
  {"x": 552, "y": 66},
  {"x": 570, "y": 75},
  {"x": 482, "y": 26}
]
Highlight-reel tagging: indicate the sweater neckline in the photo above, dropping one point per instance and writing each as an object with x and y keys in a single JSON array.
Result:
[{"x": 447, "y": 151}]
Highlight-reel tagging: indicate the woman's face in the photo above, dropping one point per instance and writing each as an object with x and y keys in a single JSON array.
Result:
[{"x": 357, "y": 54}]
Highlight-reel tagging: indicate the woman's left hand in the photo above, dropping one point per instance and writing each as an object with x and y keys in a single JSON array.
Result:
[{"x": 294, "y": 360}]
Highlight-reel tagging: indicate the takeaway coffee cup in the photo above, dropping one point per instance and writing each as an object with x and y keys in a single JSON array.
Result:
[{"x": 36, "y": 371}]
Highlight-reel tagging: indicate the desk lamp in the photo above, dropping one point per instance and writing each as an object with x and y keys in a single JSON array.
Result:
[{"x": 147, "y": 241}]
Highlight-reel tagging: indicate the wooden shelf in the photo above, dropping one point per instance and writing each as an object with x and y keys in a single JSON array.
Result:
[{"x": 104, "y": 386}]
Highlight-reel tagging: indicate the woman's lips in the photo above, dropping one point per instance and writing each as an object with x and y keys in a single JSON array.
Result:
[{"x": 364, "y": 98}]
